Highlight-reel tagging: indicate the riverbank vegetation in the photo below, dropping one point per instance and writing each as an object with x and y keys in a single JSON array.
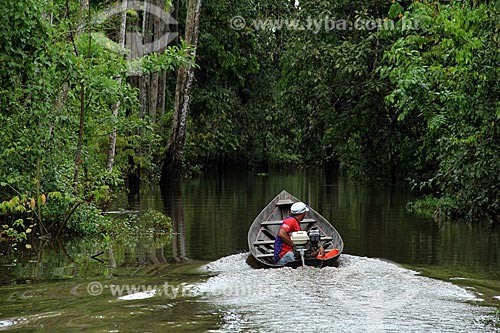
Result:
[{"x": 399, "y": 90}]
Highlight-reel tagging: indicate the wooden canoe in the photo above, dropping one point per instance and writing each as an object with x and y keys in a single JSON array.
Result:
[{"x": 264, "y": 229}]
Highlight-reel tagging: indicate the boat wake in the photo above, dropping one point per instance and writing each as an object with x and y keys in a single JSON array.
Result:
[{"x": 362, "y": 294}]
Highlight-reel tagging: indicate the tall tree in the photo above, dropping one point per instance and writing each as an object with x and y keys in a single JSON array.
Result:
[
  {"x": 116, "y": 106},
  {"x": 175, "y": 147},
  {"x": 84, "y": 7}
]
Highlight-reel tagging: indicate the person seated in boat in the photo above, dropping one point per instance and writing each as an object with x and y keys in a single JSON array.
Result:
[{"x": 283, "y": 245}]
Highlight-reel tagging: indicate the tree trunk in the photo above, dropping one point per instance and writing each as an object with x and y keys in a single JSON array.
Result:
[
  {"x": 116, "y": 106},
  {"x": 162, "y": 76},
  {"x": 84, "y": 6},
  {"x": 147, "y": 38},
  {"x": 78, "y": 155},
  {"x": 158, "y": 79},
  {"x": 162, "y": 87},
  {"x": 153, "y": 95},
  {"x": 175, "y": 147}
]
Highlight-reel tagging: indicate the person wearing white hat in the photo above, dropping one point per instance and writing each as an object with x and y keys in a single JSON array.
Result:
[
  {"x": 283, "y": 245},
  {"x": 299, "y": 208}
]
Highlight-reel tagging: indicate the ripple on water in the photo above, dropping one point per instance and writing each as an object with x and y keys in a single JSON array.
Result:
[
  {"x": 15, "y": 323},
  {"x": 363, "y": 294}
]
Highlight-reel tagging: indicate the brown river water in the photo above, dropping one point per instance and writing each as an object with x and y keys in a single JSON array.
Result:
[{"x": 398, "y": 272}]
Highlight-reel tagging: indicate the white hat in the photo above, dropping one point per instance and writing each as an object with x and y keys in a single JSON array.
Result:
[{"x": 299, "y": 208}]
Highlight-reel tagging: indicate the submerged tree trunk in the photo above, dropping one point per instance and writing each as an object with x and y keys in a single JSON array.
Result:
[
  {"x": 175, "y": 147},
  {"x": 116, "y": 106}
]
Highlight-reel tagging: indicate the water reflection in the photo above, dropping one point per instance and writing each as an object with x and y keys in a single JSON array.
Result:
[
  {"x": 212, "y": 214},
  {"x": 173, "y": 207},
  {"x": 81, "y": 258}
]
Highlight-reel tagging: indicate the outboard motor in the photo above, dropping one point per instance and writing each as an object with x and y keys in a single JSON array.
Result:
[
  {"x": 314, "y": 238},
  {"x": 300, "y": 241},
  {"x": 304, "y": 242}
]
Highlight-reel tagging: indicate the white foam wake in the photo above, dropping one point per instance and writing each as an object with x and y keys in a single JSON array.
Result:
[{"x": 363, "y": 294}]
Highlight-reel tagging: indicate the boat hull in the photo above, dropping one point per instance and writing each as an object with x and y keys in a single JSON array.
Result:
[{"x": 311, "y": 262}]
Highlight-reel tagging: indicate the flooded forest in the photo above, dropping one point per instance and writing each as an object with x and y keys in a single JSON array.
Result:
[{"x": 140, "y": 140}]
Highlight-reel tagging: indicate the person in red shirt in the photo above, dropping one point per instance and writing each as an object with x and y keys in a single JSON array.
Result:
[{"x": 283, "y": 245}]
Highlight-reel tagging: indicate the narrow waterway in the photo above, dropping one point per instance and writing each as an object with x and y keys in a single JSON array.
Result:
[{"x": 398, "y": 273}]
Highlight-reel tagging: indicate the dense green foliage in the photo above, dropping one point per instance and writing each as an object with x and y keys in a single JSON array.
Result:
[
  {"x": 408, "y": 94},
  {"x": 58, "y": 86},
  {"x": 413, "y": 96},
  {"x": 446, "y": 85}
]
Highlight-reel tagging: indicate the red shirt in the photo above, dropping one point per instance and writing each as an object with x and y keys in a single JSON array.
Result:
[{"x": 290, "y": 225}]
